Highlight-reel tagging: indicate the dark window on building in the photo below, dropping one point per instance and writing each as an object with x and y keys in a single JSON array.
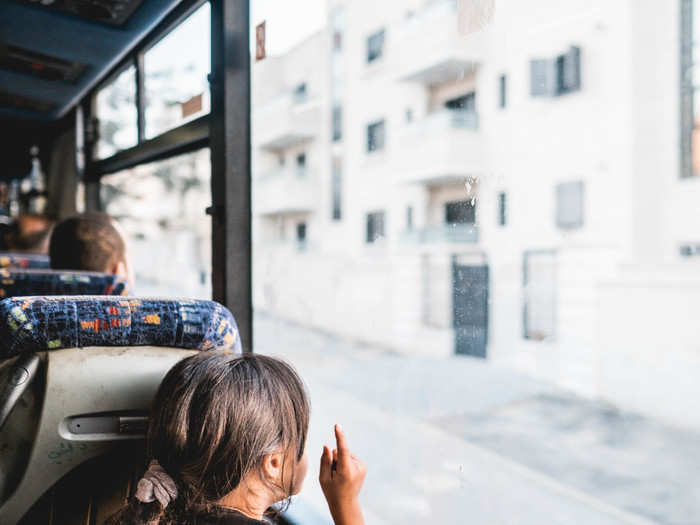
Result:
[
  {"x": 409, "y": 218},
  {"x": 539, "y": 294},
  {"x": 338, "y": 25},
  {"x": 556, "y": 76},
  {"x": 300, "y": 93},
  {"x": 569, "y": 71},
  {"x": 570, "y": 202},
  {"x": 301, "y": 235},
  {"x": 375, "y": 46},
  {"x": 337, "y": 123},
  {"x": 337, "y": 41},
  {"x": 337, "y": 189},
  {"x": 375, "y": 136},
  {"x": 375, "y": 226},
  {"x": 409, "y": 115},
  {"x": 465, "y": 102},
  {"x": 301, "y": 160},
  {"x": 502, "y": 91},
  {"x": 690, "y": 125},
  {"x": 460, "y": 212},
  {"x": 502, "y": 212},
  {"x": 281, "y": 159}
]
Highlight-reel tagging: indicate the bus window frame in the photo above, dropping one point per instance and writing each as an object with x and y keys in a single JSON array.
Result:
[{"x": 225, "y": 130}]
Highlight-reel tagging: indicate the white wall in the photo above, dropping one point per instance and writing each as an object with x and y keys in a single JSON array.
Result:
[{"x": 618, "y": 134}]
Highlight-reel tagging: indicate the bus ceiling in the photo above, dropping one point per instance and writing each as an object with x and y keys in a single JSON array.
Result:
[{"x": 53, "y": 52}]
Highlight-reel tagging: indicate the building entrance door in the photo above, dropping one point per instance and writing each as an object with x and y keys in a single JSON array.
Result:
[{"x": 470, "y": 306}]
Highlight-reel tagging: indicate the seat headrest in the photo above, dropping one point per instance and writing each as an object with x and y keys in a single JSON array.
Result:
[
  {"x": 23, "y": 260},
  {"x": 59, "y": 282},
  {"x": 31, "y": 324}
]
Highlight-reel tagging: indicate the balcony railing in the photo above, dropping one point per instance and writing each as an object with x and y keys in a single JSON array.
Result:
[
  {"x": 444, "y": 146},
  {"x": 446, "y": 233},
  {"x": 289, "y": 190},
  {"x": 439, "y": 121},
  {"x": 432, "y": 49},
  {"x": 288, "y": 119}
]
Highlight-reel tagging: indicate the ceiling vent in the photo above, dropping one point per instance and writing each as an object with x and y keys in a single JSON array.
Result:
[
  {"x": 112, "y": 12},
  {"x": 39, "y": 65}
]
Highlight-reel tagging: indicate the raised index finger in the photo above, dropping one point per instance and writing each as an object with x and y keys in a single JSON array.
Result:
[{"x": 342, "y": 443}]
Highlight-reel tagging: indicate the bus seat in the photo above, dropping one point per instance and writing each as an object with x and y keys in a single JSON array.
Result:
[
  {"x": 18, "y": 261},
  {"x": 60, "y": 282},
  {"x": 88, "y": 368}
]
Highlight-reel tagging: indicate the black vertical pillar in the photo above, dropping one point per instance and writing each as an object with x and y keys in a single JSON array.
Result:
[
  {"x": 90, "y": 135},
  {"x": 229, "y": 138}
]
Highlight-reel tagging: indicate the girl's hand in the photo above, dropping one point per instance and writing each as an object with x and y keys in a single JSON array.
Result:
[{"x": 341, "y": 485}]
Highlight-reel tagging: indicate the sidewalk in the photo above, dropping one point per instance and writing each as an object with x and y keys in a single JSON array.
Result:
[{"x": 460, "y": 437}]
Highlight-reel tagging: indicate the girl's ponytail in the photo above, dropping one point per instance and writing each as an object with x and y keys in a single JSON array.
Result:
[{"x": 154, "y": 492}]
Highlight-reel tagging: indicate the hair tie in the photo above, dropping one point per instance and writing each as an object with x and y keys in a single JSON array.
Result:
[{"x": 156, "y": 485}]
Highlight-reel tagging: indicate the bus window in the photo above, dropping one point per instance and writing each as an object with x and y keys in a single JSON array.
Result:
[
  {"x": 176, "y": 70},
  {"x": 116, "y": 111},
  {"x": 486, "y": 373},
  {"x": 161, "y": 208}
]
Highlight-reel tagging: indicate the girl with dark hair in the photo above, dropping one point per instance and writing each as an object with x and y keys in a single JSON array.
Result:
[{"x": 227, "y": 439}]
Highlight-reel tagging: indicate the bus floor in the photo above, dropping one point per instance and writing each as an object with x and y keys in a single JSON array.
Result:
[{"x": 461, "y": 440}]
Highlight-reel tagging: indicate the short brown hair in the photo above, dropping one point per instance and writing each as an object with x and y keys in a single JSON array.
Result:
[
  {"x": 29, "y": 233},
  {"x": 88, "y": 241}
]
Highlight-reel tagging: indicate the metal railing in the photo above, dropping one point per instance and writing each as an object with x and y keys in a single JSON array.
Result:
[
  {"x": 445, "y": 233},
  {"x": 445, "y": 119}
]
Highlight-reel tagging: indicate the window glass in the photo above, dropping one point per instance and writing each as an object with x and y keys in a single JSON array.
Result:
[
  {"x": 176, "y": 70},
  {"x": 375, "y": 136},
  {"x": 116, "y": 111},
  {"x": 337, "y": 132},
  {"x": 337, "y": 189},
  {"x": 570, "y": 204},
  {"x": 502, "y": 91},
  {"x": 375, "y": 226},
  {"x": 161, "y": 208},
  {"x": 375, "y": 46},
  {"x": 502, "y": 210},
  {"x": 493, "y": 287},
  {"x": 459, "y": 212}
]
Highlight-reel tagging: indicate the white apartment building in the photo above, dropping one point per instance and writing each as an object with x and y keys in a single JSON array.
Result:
[{"x": 438, "y": 177}]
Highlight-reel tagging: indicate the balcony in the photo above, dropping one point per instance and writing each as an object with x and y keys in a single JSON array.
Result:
[
  {"x": 433, "y": 51},
  {"x": 445, "y": 233},
  {"x": 284, "y": 192},
  {"x": 444, "y": 147},
  {"x": 287, "y": 120}
]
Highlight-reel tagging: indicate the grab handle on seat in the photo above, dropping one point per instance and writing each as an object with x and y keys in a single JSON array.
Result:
[{"x": 20, "y": 377}]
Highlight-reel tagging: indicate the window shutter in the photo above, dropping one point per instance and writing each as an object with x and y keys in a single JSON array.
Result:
[
  {"x": 542, "y": 77},
  {"x": 570, "y": 205}
]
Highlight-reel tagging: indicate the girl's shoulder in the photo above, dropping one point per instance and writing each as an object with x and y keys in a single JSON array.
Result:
[{"x": 222, "y": 516}]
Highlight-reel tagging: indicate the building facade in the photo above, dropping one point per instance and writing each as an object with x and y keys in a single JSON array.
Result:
[{"x": 450, "y": 177}]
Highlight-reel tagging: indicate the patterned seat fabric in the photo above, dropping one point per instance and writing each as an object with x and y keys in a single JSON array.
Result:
[
  {"x": 59, "y": 282},
  {"x": 29, "y": 324},
  {"x": 23, "y": 260}
]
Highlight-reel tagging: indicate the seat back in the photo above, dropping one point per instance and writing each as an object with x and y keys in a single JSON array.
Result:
[
  {"x": 60, "y": 282},
  {"x": 17, "y": 261},
  {"x": 101, "y": 361}
]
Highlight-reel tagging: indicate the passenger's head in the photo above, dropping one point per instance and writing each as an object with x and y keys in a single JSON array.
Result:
[
  {"x": 30, "y": 234},
  {"x": 89, "y": 241},
  {"x": 223, "y": 422}
]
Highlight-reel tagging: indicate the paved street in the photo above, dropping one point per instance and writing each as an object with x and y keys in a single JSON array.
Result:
[{"x": 460, "y": 440}]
